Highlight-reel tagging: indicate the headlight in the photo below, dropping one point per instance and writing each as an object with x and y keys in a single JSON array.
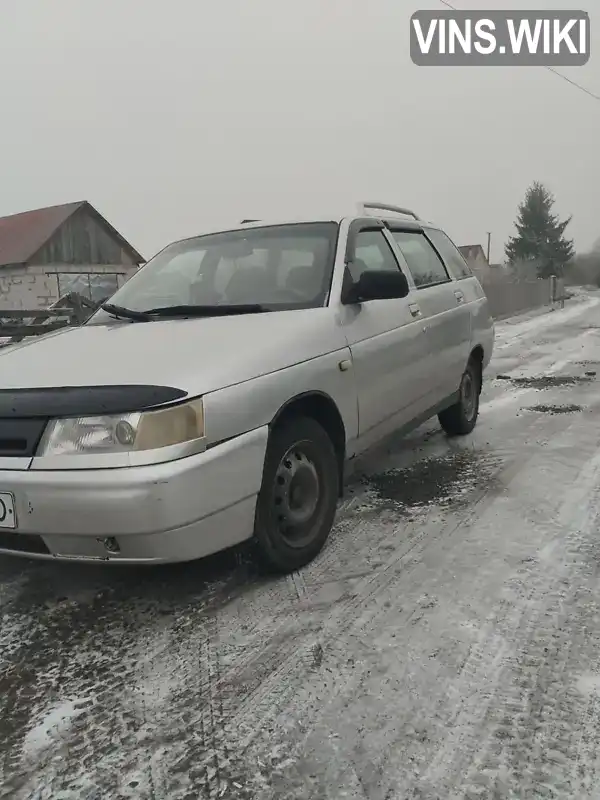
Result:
[{"x": 124, "y": 433}]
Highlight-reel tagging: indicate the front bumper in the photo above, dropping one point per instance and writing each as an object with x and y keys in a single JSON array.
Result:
[{"x": 176, "y": 511}]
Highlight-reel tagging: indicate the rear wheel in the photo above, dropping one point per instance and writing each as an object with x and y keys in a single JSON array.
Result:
[
  {"x": 461, "y": 418},
  {"x": 298, "y": 498}
]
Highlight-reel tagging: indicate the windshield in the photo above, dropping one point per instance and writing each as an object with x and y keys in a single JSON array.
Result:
[{"x": 278, "y": 267}]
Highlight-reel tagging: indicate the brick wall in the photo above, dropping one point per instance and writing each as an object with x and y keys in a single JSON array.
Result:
[{"x": 37, "y": 287}]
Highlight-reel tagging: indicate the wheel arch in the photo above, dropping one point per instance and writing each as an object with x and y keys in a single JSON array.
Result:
[
  {"x": 322, "y": 408},
  {"x": 477, "y": 355}
]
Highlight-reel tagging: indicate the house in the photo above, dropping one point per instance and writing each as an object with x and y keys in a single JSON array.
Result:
[
  {"x": 475, "y": 257},
  {"x": 48, "y": 252}
]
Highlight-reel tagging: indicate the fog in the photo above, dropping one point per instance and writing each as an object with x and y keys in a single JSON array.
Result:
[{"x": 172, "y": 118}]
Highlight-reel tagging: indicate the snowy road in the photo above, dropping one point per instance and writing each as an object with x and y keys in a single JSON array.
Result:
[{"x": 445, "y": 645}]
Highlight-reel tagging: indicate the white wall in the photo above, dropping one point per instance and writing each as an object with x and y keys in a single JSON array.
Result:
[{"x": 37, "y": 287}]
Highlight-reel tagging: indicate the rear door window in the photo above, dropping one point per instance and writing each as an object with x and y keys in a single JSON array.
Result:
[
  {"x": 450, "y": 253},
  {"x": 424, "y": 263}
]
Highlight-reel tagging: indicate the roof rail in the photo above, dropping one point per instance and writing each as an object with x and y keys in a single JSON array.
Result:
[
  {"x": 387, "y": 207},
  {"x": 247, "y": 221}
]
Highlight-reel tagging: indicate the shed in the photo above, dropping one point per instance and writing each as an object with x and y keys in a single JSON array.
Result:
[{"x": 49, "y": 252}]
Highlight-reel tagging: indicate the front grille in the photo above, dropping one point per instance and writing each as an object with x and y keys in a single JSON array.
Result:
[
  {"x": 23, "y": 543},
  {"x": 20, "y": 437}
]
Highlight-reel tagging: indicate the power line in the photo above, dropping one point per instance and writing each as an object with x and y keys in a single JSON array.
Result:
[
  {"x": 573, "y": 83},
  {"x": 581, "y": 88}
]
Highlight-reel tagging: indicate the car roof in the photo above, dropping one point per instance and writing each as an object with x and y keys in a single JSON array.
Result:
[
  {"x": 274, "y": 221},
  {"x": 277, "y": 221},
  {"x": 362, "y": 211}
]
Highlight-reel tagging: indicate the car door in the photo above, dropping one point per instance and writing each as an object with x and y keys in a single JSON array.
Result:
[
  {"x": 388, "y": 344},
  {"x": 443, "y": 305}
]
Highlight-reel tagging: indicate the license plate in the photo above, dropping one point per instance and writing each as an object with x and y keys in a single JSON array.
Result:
[{"x": 8, "y": 517}]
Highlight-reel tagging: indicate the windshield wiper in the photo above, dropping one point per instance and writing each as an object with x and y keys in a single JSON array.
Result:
[
  {"x": 125, "y": 313},
  {"x": 205, "y": 311}
]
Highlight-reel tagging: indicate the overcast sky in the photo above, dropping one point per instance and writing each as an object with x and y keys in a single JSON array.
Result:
[{"x": 173, "y": 117}]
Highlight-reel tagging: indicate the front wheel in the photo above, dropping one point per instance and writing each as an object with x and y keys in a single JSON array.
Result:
[
  {"x": 298, "y": 497},
  {"x": 461, "y": 418}
]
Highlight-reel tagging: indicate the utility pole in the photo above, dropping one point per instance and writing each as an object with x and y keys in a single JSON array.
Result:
[{"x": 489, "y": 235}]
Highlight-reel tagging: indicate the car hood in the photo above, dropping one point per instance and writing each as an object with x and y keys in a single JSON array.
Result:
[{"x": 195, "y": 355}]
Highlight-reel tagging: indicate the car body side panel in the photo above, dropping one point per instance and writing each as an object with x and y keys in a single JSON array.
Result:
[
  {"x": 482, "y": 324},
  {"x": 389, "y": 351},
  {"x": 390, "y": 355},
  {"x": 449, "y": 336},
  {"x": 246, "y": 406}
]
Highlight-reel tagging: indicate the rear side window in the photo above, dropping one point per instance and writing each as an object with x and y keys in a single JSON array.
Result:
[
  {"x": 450, "y": 253},
  {"x": 424, "y": 264}
]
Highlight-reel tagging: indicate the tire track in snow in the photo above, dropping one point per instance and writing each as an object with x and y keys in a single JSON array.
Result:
[
  {"x": 487, "y": 658},
  {"x": 342, "y": 629},
  {"x": 133, "y": 677},
  {"x": 521, "y": 704}
]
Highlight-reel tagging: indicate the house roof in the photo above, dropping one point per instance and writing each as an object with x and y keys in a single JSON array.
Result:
[
  {"x": 22, "y": 235},
  {"x": 472, "y": 251}
]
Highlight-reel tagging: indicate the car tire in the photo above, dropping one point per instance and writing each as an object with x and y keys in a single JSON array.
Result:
[
  {"x": 297, "y": 501},
  {"x": 461, "y": 418}
]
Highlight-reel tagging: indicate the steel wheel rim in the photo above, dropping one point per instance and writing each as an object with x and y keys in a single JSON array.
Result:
[{"x": 296, "y": 496}]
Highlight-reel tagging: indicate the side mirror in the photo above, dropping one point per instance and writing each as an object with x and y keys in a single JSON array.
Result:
[{"x": 376, "y": 285}]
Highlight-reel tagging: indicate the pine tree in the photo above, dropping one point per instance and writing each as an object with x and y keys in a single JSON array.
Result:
[{"x": 540, "y": 234}]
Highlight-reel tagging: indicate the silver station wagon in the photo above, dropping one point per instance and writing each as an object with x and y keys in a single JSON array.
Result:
[{"x": 224, "y": 391}]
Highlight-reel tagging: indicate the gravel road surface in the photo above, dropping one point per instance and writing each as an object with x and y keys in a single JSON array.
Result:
[{"x": 445, "y": 645}]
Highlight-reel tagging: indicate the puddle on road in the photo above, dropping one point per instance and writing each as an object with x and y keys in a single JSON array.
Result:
[
  {"x": 445, "y": 480},
  {"x": 591, "y": 367},
  {"x": 548, "y": 381},
  {"x": 566, "y": 409}
]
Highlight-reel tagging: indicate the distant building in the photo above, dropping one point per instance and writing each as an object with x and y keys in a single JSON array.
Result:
[
  {"x": 475, "y": 257},
  {"x": 46, "y": 253}
]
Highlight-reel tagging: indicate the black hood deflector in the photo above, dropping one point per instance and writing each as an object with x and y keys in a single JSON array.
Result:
[{"x": 83, "y": 401}]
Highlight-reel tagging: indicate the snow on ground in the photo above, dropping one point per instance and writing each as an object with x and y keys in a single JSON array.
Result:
[
  {"x": 53, "y": 727},
  {"x": 509, "y": 331},
  {"x": 444, "y": 646}
]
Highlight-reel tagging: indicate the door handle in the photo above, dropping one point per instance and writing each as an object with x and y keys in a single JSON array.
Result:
[
  {"x": 460, "y": 298},
  {"x": 414, "y": 310}
]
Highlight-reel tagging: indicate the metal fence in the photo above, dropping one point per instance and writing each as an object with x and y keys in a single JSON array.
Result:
[
  {"x": 19, "y": 324},
  {"x": 508, "y": 297}
]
